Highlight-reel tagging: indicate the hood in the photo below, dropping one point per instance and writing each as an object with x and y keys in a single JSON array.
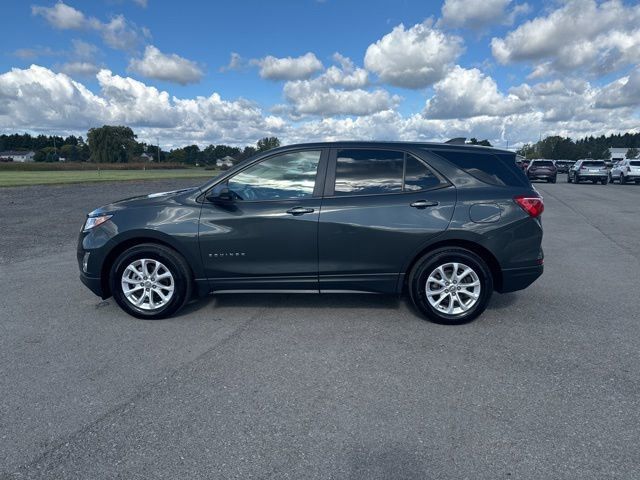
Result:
[{"x": 144, "y": 200}]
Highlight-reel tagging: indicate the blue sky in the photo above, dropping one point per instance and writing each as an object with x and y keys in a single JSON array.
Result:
[{"x": 307, "y": 70}]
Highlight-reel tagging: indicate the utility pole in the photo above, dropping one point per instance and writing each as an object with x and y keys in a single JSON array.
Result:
[{"x": 158, "y": 147}]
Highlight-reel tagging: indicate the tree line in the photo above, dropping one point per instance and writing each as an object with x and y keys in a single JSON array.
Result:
[
  {"x": 119, "y": 144},
  {"x": 564, "y": 148}
]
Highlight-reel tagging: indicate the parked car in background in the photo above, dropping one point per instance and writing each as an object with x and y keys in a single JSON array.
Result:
[
  {"x": 563, "y": 166},
  {"x": 542, "y": 170},
  {"x": 448, "y": 224},
  {"x": 625, "y": 171},
  {"x": 590, "y": 170}
]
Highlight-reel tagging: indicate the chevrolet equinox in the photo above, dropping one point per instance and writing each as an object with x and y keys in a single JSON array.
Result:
[{"x": 447, "y": 223}]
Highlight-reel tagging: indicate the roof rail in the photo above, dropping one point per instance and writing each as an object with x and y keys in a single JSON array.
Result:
[{"x": 457, "y": 141}]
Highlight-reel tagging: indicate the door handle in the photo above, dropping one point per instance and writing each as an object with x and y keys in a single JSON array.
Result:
[
  {"x": 299, "y": 210},
  {"x": 423, "y": 204}
]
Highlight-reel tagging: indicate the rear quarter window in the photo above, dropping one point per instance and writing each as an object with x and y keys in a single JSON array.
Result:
[
  {"x": 493, "y": 169},
  {"x": 634, "y": 164}
]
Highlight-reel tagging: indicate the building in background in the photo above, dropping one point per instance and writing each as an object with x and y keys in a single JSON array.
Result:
[{"x": 17, "y": 156}]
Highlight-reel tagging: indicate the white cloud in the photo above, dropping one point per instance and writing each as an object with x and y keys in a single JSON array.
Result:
[
  {"x": 413, "y": 58},
  {"x": 579, "y": 35},
  {"x": 339, "y": 90},
  {"x": 167, "y": 67},
  {"x": 469, "y": 93},
  {"x": 85, "y": 69},
  {"x": 61, "y": 16},
  {"x": 289, "y": 68},
  {"x": 236, "y": 62},
  {"x": 117, "y": 33},
  {"x": 479, "y": 15},
  {"x": 36, "y": 99},
  {"x": 624, "y": 92}
]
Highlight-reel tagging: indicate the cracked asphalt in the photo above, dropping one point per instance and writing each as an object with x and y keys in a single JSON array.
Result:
[{"x": 544, "y": 385}]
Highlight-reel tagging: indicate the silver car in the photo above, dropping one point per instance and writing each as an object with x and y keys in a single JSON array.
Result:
[
  {"x": 625, "y": 171},
  {"x": 593, "y": 170}
]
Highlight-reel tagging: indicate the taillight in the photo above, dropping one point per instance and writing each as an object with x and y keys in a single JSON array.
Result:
[{"x": 534, "y": 206}]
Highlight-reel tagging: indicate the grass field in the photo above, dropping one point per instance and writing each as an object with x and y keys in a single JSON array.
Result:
[{"x": 18, "y": 179}]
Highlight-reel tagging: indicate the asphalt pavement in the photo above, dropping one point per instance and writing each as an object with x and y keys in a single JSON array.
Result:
[{"x": 545, "y": 384}]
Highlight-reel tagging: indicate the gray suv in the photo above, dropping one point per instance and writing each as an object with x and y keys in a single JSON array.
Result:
[
  {"x": 625, "y": 171},
  {"x": 590, "y": 170},
  {"x": 448, "y": 224}
]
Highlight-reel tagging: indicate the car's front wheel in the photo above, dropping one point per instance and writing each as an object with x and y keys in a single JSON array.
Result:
[
  {"x": 150, "y": 281},
  {"x": 451, "y": 285}
]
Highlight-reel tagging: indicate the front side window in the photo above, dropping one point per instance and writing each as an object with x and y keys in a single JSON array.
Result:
[
  {"x": 287, "y": 176},
  {"x": 372, "y": 172}
]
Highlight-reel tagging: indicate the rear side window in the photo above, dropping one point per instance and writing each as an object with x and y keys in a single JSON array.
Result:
[
  {"x": 634, "y": 164},
  {"x": 493, "y": 169},
  {"x": 371, "y": 172}
]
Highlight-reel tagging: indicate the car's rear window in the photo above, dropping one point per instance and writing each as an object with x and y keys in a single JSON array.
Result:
[
  {"x": 592, "y": 164},
  {"x": 494, "y": 169},
  {"x": 634, "y": 164},
  {"x": 543, "y": 163}
]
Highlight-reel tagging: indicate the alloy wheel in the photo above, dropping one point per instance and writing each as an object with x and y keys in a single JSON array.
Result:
[
  {"x": 147, "y": 284},
  {"x": 453, "y": 288}
]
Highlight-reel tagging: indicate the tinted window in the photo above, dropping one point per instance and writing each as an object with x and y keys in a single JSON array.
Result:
[
  {"x": 592, "y": 164},
  {"x": 489, "y": 168},
  {"x": 543, "y": 163},
  {"x": 417, "y": 175},
  {"x": 363, "y": 172},
  {"x": 634, "y": 164},
  {"x": 291, "y": 175}
]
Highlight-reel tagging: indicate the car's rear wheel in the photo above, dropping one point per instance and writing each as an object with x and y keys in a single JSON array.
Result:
[
  {"x": 605, "y": 181},
  {"x": 450, "y": 285},
  {"x": 568, "y": 178},
  {"x": 622, "y": 180},
  {"x": 150, "y": 281}
]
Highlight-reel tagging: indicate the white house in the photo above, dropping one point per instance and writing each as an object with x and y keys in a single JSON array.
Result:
[
  {"x": 225, "y": 161},
  {"x": 618, "y": 153},
  {"x": 147, "y": 157},
  {"x": 17, "y": 156}
]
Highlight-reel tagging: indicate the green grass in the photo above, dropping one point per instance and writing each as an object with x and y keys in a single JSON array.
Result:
[{"x": 19, "y": 179}]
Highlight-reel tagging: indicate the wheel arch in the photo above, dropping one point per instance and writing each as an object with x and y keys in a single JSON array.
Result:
[
  {"x": 475, "y": 247},
  {"x": 126, "y": 244}
]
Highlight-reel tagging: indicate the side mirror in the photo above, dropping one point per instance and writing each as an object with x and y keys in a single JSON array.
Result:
[{"x": 220, "y": 193}]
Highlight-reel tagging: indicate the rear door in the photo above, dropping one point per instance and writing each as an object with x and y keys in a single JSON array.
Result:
[{"x": 380, "y": 207}]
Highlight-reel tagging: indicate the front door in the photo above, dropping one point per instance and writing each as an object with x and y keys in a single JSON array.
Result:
[
  {"x": 264, "y": 233},
  {"x": 380, "y": 208}
]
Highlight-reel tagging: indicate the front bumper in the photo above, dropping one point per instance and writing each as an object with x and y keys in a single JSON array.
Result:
[{"x": 92, "y": 283}]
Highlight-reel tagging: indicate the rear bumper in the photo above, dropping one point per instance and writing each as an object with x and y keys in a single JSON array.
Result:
[{"x": 514, "y": 279}]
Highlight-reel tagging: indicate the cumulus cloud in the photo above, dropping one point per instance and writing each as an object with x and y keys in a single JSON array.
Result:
[
  {"x": 413, "y": 58},
  {"x": 623, "y": 92},
  {"x": 83, "y": 69},
  {"x": 469, "y": 93},
  {"x": 580, "y": 35},
  {"x": 37, "y": 98},
  {"x": 339, "y": 90},
  {"x": 289, "y": 68},
  {"x": 61, "y": 16},
  {"x": 479, "y": 15},
  {"x": 117, "y": 33},
  {"x": 167, "y": 67}
]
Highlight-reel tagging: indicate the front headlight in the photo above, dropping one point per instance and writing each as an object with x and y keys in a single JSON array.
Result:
[{"x": 93, "y": 222}]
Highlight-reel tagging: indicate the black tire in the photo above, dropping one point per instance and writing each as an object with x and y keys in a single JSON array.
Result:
[
  {"x": 576, "y": 178},
  {"x": 427, "y": 264},
  {"x": 605, "y": 181},
  {"x": 173, "y": 262},
  {"x": 568, "y": 178},
  {"x": 594, "y": 181},
  {"x": 622, "y": 180},
  {"x": 554, "y": 179}
]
